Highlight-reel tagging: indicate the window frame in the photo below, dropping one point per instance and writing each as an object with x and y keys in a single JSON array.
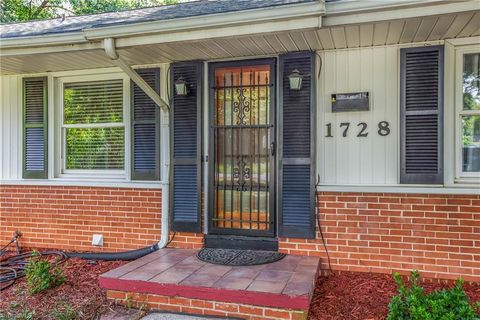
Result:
[
  {"x": 462, "y": 176},
  {"x": 60, "y": 128}
]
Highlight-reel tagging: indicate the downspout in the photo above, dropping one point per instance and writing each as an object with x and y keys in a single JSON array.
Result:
[{"x": 111, "y": 52}]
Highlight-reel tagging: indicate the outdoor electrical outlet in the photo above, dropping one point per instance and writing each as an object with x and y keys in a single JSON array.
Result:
[{"x": 97, "y": 240}]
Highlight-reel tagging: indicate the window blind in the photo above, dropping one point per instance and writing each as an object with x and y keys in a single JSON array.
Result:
[
  {"x": 93, "y": 125},
  {"x": 93, "y": 102}
]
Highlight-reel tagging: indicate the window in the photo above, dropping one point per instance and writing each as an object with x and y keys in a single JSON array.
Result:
[
  {"x": 468, "y": 108},
  {"x": 93, "y": 127}
]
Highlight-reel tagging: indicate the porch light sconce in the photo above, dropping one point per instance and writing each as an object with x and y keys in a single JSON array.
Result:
[
  {"x": 181, "y": 86},
  {"x": 295, "y": 79}
]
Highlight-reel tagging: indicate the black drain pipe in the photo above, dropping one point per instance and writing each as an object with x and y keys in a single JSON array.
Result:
[{"x": 109, "y": 256}]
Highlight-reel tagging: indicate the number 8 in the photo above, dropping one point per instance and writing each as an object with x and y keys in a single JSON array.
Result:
[{"x": 383, "y": 128}]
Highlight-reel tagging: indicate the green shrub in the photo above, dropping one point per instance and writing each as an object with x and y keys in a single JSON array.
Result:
[
  {"x": 41, "y": 275},
  {"x": 412, "y": 303}
]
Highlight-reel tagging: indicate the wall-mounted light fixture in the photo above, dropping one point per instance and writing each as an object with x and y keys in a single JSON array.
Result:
[
  {"x": 181, "y": 86},
  {"x": 295, "y": 79}
]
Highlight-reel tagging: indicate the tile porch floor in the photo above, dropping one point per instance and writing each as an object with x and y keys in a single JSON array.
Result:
[{"x": 287, "y": 283}]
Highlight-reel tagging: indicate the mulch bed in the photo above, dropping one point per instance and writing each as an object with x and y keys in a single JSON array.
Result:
[
  {"x": 80, "y": 294},
  {"x": 354, "y": 295},
  {"x": 342, "y": 296}
]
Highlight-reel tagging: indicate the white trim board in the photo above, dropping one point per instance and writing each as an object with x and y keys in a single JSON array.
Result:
[
  {"x": 87, "y": 183},
  {"x": 401, "y": 189}
]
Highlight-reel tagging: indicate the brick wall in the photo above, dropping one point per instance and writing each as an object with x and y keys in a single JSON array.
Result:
[
  {"x": 203, "y": 307},
  {"x": 67, "y": 217},
  {"x": 438, "y": 235},
  {"x": 186, "y": 240}
]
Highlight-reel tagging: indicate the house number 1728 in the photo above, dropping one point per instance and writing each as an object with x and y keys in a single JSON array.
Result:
[{"x": 383, "y": 129}]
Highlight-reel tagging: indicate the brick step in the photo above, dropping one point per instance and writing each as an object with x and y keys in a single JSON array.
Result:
[
  {"x": 203, "y": 307},
  {"x": 175, "y": 280}
]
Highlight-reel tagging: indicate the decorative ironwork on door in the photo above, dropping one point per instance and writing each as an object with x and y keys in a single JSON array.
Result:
[{"x": 243, "y": 147}]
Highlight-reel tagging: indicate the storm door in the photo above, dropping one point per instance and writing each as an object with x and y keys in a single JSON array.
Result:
[{"x": 243, "y": 147}]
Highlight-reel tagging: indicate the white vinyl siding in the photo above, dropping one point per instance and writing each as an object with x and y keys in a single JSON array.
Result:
[
  {"x": 352, "y": 160},
  {"x": 10, "y": 127},
  {"x": 340, "y": 161}
]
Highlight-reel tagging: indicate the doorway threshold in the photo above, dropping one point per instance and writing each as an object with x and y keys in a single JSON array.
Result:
[{"x": 241, "y": 242}]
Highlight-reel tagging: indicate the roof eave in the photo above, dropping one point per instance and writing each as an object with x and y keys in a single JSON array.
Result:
[
  {"x": 221, "y": 20},
  {"x": 254, "y": 16}
]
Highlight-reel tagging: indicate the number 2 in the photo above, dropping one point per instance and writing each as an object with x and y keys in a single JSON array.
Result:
[{"x": 362, "y": 132}]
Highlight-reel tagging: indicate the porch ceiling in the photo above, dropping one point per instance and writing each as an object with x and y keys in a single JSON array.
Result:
[{"x": 402, "y": 31}]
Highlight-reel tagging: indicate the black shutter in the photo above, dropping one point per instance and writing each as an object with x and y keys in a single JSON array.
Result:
[
  {"x": 296, "y": 201},
  {"x": 186, "y": 116},
  {"x": 145, "y": 129},
  {"x": 35, "y": 128},
  {"x": 421, "y": 114}
]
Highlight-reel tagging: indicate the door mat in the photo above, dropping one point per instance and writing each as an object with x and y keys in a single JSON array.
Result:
[{"x": 235, "y": 257}]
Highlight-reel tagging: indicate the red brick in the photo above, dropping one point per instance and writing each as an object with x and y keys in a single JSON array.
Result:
[
  {"x": 157, "y": 299},
  {"x": 250, "y": 310},
  {"x": 470, "y": 209},
  {"x": 226, "y": 307},
  {"x": 116, "y": 294},
  {"x": 191, "y": 310},
  {"x": 215, "y": 313},
  {"x": 465, "y": 202},
  {"x": 277, "y": 313},
  {"x": 446, "y": 208},
  {"x": 179, "y": 301}
]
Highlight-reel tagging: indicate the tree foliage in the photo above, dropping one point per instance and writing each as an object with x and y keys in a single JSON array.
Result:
[{"x": 27, "y": 10}]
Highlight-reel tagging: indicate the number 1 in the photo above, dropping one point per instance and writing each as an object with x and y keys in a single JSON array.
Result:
[{"x": 329, "y": 130}]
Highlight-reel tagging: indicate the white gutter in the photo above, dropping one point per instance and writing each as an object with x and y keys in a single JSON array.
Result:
[
  {"x": 355, "y": 12},
  {"x": 111, "y": 52},
  {"x": 44, "y": 40},
  {"x": 355, "y": 6},
  {"x": 235, "y": 18}
]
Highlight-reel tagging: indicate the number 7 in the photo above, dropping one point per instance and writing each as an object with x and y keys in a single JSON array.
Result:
[{"x": 347, "y": 125}]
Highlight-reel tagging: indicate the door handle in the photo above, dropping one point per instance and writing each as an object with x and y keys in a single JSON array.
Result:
[{"x": 272, "y": 148}]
